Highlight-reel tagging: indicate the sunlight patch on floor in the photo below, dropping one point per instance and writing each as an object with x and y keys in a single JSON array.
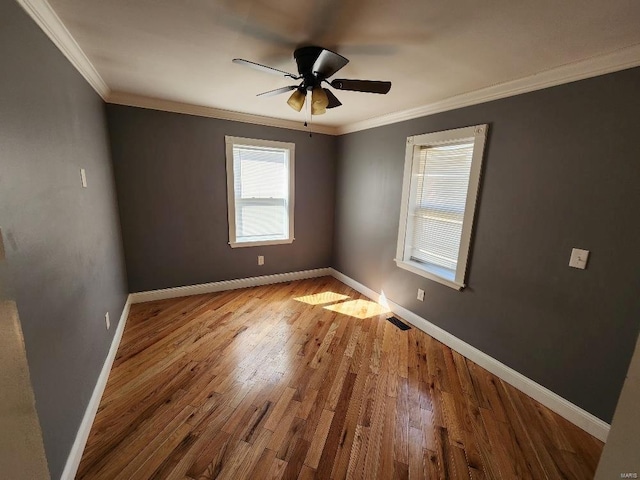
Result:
[
  {"x": 322, "y": 298},
  {"x": 358, "y": 308}
]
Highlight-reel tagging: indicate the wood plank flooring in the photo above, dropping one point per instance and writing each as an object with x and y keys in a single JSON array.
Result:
[{"x": 307, "y": 380}]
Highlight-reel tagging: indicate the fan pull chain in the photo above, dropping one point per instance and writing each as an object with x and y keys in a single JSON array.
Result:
[{"x": 307, "y": 112}]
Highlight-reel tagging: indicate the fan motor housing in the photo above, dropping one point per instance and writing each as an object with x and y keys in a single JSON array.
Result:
[{"x": 305, "y": 58}]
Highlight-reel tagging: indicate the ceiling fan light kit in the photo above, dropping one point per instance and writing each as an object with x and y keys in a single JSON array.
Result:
[
  {"x": 315, "y": 66},
  {"x": 319, "y": 101},
  {"x": 296, "y": 100}
]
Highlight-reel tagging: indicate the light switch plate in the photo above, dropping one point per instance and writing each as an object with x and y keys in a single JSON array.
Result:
[
  {"x": 83, "y": 177},
  {"x": 421, "y": 295},
  {"x": 260, "y": 259},
  {"x": 579, "y": 258}
]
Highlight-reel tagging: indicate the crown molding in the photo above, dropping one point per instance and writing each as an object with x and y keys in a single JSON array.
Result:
[
  {"x": 47, "y": 19},
  {"x": 621, "y": 59},
  {"x": 132, "y": 100}
]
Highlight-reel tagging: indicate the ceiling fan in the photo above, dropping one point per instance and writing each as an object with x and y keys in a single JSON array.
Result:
[{"x": 315, "y": 66}]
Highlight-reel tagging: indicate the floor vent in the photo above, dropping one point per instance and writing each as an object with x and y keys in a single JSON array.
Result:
[{"x": 399, "y": 323}]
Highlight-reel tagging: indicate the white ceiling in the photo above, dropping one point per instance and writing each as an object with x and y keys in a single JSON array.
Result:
[{"x": 432, "y": 51}]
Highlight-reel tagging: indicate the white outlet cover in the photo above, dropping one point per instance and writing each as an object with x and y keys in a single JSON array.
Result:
[
  {"x": 106, "y": 319},
  {"x": 260, "y": 259},
  {"x": 83, "y": 177},
  {"x": 420, "y": 294},
  {"x": 579, "y": 258}
]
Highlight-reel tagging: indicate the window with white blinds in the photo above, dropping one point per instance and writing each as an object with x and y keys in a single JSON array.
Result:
[
  {"x": 260, "y": 177},
  {"x": 442, "y": 173}
]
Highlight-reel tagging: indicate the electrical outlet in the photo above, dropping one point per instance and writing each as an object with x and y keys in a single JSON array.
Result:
[
  {"x": 107, "y": 321},
  {"x": 260, "y": 259},
  {"x": 421, "y": 295},
  {"x": 83, "y": 177}
]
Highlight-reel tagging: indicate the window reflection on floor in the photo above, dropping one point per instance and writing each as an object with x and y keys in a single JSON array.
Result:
[
  {"x": 322, "y": 298},
  {"x": 343, "y": 304},
  {"x": 358, "y": 308}
]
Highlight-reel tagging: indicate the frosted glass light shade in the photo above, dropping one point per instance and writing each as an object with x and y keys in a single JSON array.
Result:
[
  {"x": 319, "y": 101},
  {"x": 296, "y": 100}
]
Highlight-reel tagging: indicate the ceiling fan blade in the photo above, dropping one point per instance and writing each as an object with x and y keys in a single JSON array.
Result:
[
  {"x": 369, "y": 86},
  {"x": 333, "y": 100},
  {"x": 328, "y": 63},
  {"x": 277, "y": 91},
  {"x": 263, "y": 68}
]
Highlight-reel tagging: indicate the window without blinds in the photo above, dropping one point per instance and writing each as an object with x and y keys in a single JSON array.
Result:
[
  {"x": 441, "y": 184},
  {"x": 260, "y": 197}
]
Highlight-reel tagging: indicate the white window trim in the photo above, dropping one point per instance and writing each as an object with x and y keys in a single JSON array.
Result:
[
  {"x": 231, "y": 205},
  {"x": 478, "y": 133}
]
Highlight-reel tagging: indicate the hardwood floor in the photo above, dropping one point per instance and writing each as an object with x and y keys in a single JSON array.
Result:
[{"x": 308, "y": 380}]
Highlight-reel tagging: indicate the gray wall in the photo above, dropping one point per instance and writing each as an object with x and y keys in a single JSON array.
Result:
[
  {"x": 171, "y": 180},
  {"x": 64, "y": 263},
  {"x": 561, "y": 170}
]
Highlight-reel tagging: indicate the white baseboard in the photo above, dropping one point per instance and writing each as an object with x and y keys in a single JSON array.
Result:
[
  {"x": 165, "y": 293},
  {"x": 576, "y": 415},
  {"x": 73, "y": 461}
]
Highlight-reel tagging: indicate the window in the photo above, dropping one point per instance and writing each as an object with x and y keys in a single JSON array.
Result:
[
  {"x": 441, "y": 179},
  {"x": 260, "y": 176}
]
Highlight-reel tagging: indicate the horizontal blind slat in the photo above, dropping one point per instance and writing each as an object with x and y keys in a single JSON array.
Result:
[
  {"x": 261, "y": 192},
  {"x": 441, "y": 184}
]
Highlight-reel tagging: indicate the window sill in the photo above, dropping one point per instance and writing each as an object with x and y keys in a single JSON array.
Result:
[
  {"x": 261, "y": 243},
  {"x": 421, "y": 270}
]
